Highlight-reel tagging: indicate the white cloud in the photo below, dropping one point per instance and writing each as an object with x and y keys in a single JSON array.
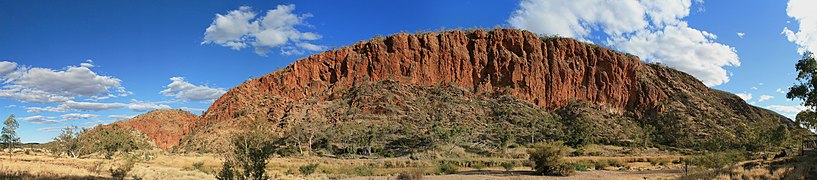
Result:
[
  {"x": 653, "y": 30},
  {"x": 687, "y": 49},
  {"x": 753, "y": 88},
  {"x": 241, "y": 28},
  {"x": 40, "y": 120},
  {"x": 741, "y": 34},
  {"x": 72, "y": 116},
  {"x": 806, "y": 36},
  {"x": 44, "y": 85},
  {"x": 780, "y": 90},
  {"x": 6, "y": 68},
  {"x": 787, "y": 109},
  {"x": 121, "y": 117},
  {"x": 193, "y": 110},
  {"x": 51, "y": 129},
  {"x": 134, "y": 105},
  {"x": 184, "y": 90},
  {"x": 744, "y": 96},
  {"x": 146, "y": 106},
  {"x": 764, "y": 98}
]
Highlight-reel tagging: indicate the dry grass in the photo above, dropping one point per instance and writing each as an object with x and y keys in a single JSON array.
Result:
[{"x": 161, "y": 165}]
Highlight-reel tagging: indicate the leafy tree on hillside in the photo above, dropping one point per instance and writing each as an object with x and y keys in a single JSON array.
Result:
[
  {"x": 71, "y": 142},
  {"x": 805, "y": 89},
  {"x": 9, "y": 133},
  {"x": 116, "y": 138}
]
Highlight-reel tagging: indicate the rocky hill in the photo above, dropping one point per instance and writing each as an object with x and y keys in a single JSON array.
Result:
[
  {"x": 485, "y": 81},
  {"x": 165, "y": 128}
]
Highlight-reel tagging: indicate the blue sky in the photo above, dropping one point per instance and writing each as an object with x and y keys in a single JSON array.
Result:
[{"x": 88, "y": 62}]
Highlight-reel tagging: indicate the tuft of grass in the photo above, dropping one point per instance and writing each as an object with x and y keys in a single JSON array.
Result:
[
  {"x": 308, "y": 169},
  {"x": 447, "y": 168}
]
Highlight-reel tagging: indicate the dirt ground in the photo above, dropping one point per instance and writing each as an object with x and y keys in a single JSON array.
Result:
[{"x": 523, "y": 175}]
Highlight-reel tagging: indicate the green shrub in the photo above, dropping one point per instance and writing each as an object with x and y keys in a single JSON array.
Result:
[
  {"x": 508, "y": 166},
  {"x": 715, "y": 160},
  {"x": 447, "y": 168},
  {"x": 581, "y": 165},
  {"x": 547, "y": 158},
  {"x": 248, "y": 159},
  {"x": 363, "y": 171},
  {"x": 600, "y": 165},
  {"x": 478, "y": 166},
  {"x": 122, "y": 171},
  {"x": 199, "y": 166},
  {"x": 615, "y": 163},
  {"x": 308, "y": 169}
]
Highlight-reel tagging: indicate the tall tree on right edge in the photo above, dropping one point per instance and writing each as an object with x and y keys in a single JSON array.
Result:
[{"x": 805, "y": 90}]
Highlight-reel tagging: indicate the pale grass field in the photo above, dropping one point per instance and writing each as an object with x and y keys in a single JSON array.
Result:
[{"x": 162, "y": 165}]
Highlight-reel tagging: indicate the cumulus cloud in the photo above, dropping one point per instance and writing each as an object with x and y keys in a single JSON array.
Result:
[
  {"x": 72, "y": 116},
  {"x": 740, "y": 34},
  {"x": 51, "y": 129},
  {"x": 134, "y": 105},
  {"x": 40, "y": 120},
  {"x": 780, "y": 90},
  {"x": 44, "y": 85},
  {"x": 787, "y": 109},
  {"x": 146, "y": 106},
  {"x": 121, "y": 117},
  {"x": 242, "y": 28},
  {"x": 653, "y": 30},
  {"x": 744, "y": 96},
  {"x": 803, "y": 13},
  {"x": 764, "y": 98},
  {"x": 186, "y": 91}
]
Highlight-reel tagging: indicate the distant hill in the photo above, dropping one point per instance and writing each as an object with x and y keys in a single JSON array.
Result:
[{"x": 487, "y": 89}]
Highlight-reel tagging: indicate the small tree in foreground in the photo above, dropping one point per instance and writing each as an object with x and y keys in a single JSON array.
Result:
[
  {"x": 547, "y": 158},
  {"x": 248, "y": 159},
  {"x": 9, "y": 133}
]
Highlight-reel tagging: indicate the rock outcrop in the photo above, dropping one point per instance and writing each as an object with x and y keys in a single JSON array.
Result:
[
  {"x": 617, "y": 92},
  {"x": 549, "y": 73},
  {"x": 164, "y": 127}
]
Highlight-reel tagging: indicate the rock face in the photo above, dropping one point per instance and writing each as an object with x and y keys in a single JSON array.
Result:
[
  {"x": 549, "y": 73},
  {"x": 164, "y": 127},
  {"x": 388, "y": 78}
]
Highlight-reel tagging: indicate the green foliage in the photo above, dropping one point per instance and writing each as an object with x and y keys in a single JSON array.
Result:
[
  {"x": 478, "y": 166},
  {"x": 806, "y": 71},
  {"x": 807, "y": 118},
  {"x": 447, "y": 168},
  {"x": 581, "y": 165},
  {"x": 115, "y": 138},
  {"x": 9, "y": 134},
  {"x": 248, "y": 159},
  {"x": 715, "y": 160},
  {"x": 199, "y": 166},
  {"x": 600, "y": 165},
  {"x": 72, "y": 143},
  {"x": 308, "y": 169},
  {"x": 508, "y": 166},
  {"x": 547, "y": 158}
]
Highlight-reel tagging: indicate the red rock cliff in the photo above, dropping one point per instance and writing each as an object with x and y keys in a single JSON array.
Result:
[
  {"x": 165, "y": 127},
  {"x": 549, "y": 73}
]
